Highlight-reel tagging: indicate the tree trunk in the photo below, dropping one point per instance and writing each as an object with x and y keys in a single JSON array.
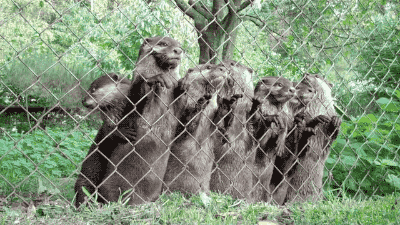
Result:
[
  {"x": 216, "y": 33},
  {"x": 210, "y": 42}
]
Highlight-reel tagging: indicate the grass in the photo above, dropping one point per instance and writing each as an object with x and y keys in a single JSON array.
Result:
[
  {"x": 176, "y": 209},
  {"x": 55, "y": 82},
  {"x": 34, "y": 159},
  {"x": 46, "y": 196}
]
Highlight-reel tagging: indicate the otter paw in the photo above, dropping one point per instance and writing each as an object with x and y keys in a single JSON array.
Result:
[
  {"x": 204, "y": 99},
  {"x": 234, "y": 99},
  {"x": 310, "y": 130},
  {"x": 258, "y": 100},
  {"x": 127, "y": 133},
  {"x": 278, "y": 120},
  {"x": 322, "y": 119},
  {"x": 164, "y": 80},
  {"x": 336, "y": 121},
  {"x": 298, "y": 118}
]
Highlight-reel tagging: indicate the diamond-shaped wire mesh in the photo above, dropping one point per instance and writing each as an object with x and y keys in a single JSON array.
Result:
[{"x": 274, "y": 101}]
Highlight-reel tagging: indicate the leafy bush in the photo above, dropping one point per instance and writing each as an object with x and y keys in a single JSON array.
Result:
[
  {"x": 55, "y": 153},
  {"x": 365, "y": 158},
  {"x": 71, "y": 53}
]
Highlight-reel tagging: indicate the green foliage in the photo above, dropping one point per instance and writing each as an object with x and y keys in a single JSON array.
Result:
[
  {"x": 54, "y": 152},
  {"x": 380, "y": 62},
  {"x": 177, "y": 209},
  {"x": 59, "y": 56},
  {"x": 368, "y": 147}
]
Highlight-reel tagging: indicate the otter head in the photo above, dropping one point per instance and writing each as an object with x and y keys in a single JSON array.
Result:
[
  {"x": 108, "y": 94},
  {"x": 304, "y": 94},
  {"x": 166, "y": 51},
  {"x": 245, "y": 73},
  {"x": 277, "y": 90},
  {"x": 204, "y": 79},
  {"x": 322, "y": 93}
]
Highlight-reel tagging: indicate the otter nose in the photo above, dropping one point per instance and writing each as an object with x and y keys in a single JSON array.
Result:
[
  {"x": 178, "y": 51},
  {"x": 88, "y": 102}
]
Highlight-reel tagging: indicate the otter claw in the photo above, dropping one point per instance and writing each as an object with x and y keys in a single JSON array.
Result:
[
  {"x": 310, "y": 130},
  {"x": 322, "y": 119},
  {"x": 234, "y": 99}
]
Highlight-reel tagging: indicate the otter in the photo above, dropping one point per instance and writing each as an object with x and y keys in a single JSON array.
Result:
[
  {"x": 107, "y": 94},
  {"x": 190, "y": 163},
  {"x": 270, "y": 130},
  {"x": 306, "y": 177},
  {"x": 296, "y": 139},
  {"x": 140, "y": 165},
  {"x": 233, "y": 156}
]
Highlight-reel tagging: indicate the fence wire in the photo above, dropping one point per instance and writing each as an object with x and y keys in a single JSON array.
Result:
[{"x": 269, "y": 101}]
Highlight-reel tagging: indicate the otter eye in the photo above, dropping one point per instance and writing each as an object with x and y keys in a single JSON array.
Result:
[
  {"x": 279, "y": 84},
  {"x": 208, "y": 67},
  {"x": 232, "y": 64},
  {"x": 162, "y": 44}
]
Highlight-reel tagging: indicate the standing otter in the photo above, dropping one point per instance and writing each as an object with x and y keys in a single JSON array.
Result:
[
  {"x": 106, "y": 93},
  {"x": 306, "y": 180},
  {"x": 270, "y": 129},
  {"x": 233, "y": 156},
  {"x": 141, "y": 165},
  {"x": 190, "y": 163},
  {"x": 296, "y": 140}
]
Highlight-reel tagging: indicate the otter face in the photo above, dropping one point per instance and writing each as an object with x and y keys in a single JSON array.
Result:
[
  {"x": 246, "y": 73},
  {"x": 166, "y": 51},
  {"x": 203, "y": 79},
  {"x": 106, "y": 91},
  {"x": 305, "y": 93},
  {"x": 276, "y": 89}
]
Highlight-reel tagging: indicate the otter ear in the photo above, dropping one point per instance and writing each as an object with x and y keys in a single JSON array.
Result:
[
  {"x": 250, "y": 70},
  {"x": 114, "y": 76},
  {"x": 147, "y": 41}
]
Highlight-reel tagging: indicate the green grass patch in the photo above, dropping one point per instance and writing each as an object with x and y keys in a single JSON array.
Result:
[
  {"x": 41, "y": 80},
  {"x": 219, "y": 209},
  {"x": 377, "y": 210},
  {"x": 41, "y": 159}
]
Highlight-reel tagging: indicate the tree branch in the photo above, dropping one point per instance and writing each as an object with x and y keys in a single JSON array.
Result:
[
  {"x": 217, "y": 5},
  {"x": 257, "y": 21},
  {"x": 231, "y": 7},
  {"x": 337, "y": 46},
  {"x": 205, "y": 12},
  {"x": 243, "y": 6},
  {"x": 190, "y": 11}
]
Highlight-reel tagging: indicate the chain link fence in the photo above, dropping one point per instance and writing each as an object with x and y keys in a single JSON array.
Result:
[{"x": 227, "y": 128}]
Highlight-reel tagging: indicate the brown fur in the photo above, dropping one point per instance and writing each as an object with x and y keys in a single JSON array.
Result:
[
  {"x": 107, "y": 94},
  {"x": 189, "y": 166},
  {"x": 295, "y": 142},
  {"x": 233, "y": 156},
  {"x": 141, "y": 165},
  {"x": 270, "y": 129},
  {"x": 306, "y": 180}
]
